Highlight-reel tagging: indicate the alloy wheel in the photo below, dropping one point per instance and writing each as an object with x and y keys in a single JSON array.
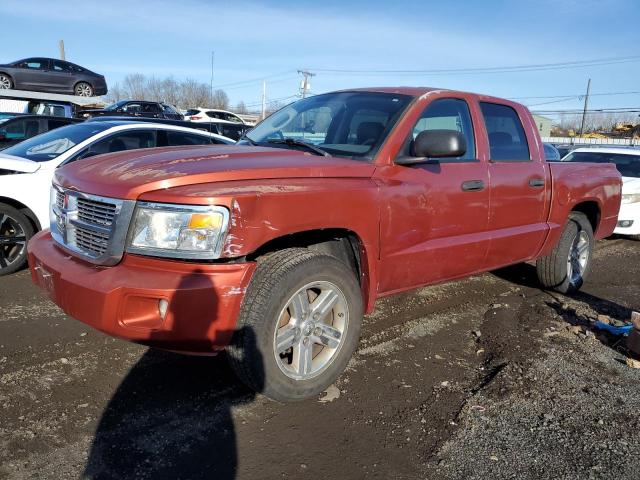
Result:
[
  {"x": 311, "y": 330},
  {"x": 13, "y": 241},
  {"x": 5, "y": 82},
  {"x": 84, "y": 90},
  {"x": 578, "y": 258}
]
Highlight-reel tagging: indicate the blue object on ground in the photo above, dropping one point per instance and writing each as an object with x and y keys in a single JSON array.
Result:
[{"x": 624, "y": 330}]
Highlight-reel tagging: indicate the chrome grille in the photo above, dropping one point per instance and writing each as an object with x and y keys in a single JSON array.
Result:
[
  {"x": 89, "y": 226},
  {"x": 93, "y": 211}
]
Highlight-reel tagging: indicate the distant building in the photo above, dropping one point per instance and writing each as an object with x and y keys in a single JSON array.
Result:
[{"x": 543, "y": 124}]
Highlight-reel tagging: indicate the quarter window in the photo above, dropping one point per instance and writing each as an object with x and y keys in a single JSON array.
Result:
[
  {"x": 507, "y": 140},
  {"x": 446, "y": 114}
]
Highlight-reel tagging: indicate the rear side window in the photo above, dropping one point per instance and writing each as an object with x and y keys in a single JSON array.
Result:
[
  {"x": 56, "y": 124},
  {"x": 182, "y": 138},
  {"x": 507, "y": 140}
]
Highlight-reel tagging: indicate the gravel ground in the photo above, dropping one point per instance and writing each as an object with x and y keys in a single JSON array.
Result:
[{"x": 486, "y": 377}]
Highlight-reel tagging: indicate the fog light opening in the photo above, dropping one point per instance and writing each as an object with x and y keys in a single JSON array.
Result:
[
  {"x": 625, "y": 223},
  {"x": 162, "y": 307}
]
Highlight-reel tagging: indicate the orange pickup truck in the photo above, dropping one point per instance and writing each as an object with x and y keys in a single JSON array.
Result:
[{"x": 274, "y": 248}]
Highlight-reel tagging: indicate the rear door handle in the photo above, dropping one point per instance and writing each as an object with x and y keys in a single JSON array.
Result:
[
  {"x": 536, "y": 182},
  {"x": 472, "y": 186}
]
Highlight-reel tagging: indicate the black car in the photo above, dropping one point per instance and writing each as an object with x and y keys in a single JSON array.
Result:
[
  {"x": 19, "y": 128},
  {"x": 134, "y": 108},
  {"x": 51, "y": 75},
  {"x": 232, "y": 131}
]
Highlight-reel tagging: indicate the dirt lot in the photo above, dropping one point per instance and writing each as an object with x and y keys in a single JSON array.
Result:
[{"x": 483, "y": 378}]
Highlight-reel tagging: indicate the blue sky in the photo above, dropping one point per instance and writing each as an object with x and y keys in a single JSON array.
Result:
[{"x": 273, "y": 39}]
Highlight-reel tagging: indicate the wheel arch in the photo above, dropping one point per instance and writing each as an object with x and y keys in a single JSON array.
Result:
[
  {"x": 591, "y": 209},
  {"x": 24, "y": 209},
  {"x": 344, "y": 244}
]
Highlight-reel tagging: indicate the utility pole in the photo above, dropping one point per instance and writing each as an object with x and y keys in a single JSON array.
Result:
[
  {"x": 213, "y": 53},
  {"x": 306, "y": 85},
  {"x": 264, "y": 100},
  {"x": 61, "y": 45},
  {"x": 586, "y": 103}
]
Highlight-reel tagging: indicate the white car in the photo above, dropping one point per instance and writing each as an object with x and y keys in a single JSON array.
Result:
[
  {"x": 26, "y": 171},
  {"x": 627, "y": 160},
  {"x": 211, "y": 115}
]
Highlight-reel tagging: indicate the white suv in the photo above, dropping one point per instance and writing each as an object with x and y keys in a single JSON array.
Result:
[
  {"x": 211, "y": 115},
  {"x": 627, "y": 160}
]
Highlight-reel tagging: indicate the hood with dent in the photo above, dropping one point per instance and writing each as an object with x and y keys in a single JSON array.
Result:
[
  {"x": 129, "y": 174},
  {"x": 18, "y": 164},
  {"x": 630, "y": 185}
]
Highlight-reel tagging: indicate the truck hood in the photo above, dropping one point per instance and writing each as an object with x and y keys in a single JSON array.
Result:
[
  {"x": 127, "y": 175},
  {"x": 18, "y": 164},
  {"x": 630, "y": 185}
]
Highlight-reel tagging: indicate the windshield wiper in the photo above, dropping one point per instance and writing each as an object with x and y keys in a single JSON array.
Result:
[
  {"x": 299, "y": 143},
  {"x": 251, "y": 142}
]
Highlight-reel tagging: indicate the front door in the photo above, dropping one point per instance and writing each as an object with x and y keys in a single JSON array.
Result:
[{"x": 434, "y": 223}]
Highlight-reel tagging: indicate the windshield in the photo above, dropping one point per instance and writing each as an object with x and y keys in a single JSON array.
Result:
[
  {"x": 48, "y": 146},
  {"x": 627, "y": 164},
  {"x": 346, "y": 124},
  {"x": 115, "y": 106}
]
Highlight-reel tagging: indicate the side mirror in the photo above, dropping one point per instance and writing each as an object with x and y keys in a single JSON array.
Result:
[{"x": 435, "y": 144}]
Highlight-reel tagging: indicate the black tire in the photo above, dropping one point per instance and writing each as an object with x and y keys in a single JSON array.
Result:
[
  {"x": 15, "y": 232},
  {"x": 83, "y": 89},
  {"x": 5, "y": 81},
  {"x": 553, "y": 269},
  {"x": 277, "y": 278}
]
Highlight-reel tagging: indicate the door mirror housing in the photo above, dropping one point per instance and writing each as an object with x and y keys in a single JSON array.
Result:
[{"x": 435, "y": 144}]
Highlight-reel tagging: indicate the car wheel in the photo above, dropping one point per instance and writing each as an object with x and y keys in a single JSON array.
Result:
[
  {"x": 569, "y": 263},
  {"x": 15, "y": 232},
  {"x": 83, "y": 89},
  {"x": 299, "y": 324},
  {"x": 5, "y": 81}
]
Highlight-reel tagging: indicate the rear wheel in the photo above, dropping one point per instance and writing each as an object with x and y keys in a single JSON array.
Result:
[
  {"x": 15, "y": 232},
  {"x": 83, "y": 89},
  {"x": 299, "y": 324},
  {"x": 5, "y": 81},
  {"x": 568, "y": 265}
]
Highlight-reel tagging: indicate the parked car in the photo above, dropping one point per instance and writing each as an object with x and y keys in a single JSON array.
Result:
[
  {"x": 210, "y": 127},
  {"x": 54, "y": 109},
  {"x": 22, "y": 127},
  {"x": 51, "y": 75},
  {"x": 134, "y": 108},
  {"x": 551, "y": 153},
  {"x": 26, "y": 171},
  {"x": 627, "y": 161},
  {"x": 564, "y": 150},
  {"x": 209, "y": 114},
  {"x": 276, "y": 246}
]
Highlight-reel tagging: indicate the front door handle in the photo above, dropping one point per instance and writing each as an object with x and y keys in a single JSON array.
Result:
[
  {"x": 536, "y": 182},
  {"x": 472, "y": 186}
]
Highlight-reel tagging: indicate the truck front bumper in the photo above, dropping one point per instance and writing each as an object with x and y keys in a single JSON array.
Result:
[{"x": 174, "y": 305}]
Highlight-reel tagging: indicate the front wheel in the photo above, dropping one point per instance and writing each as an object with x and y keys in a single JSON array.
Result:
[
  {"x": 83, "y": 89},
  {"x": 15, "y": 232},
  {"x": 569, "y": 263},
  {"x": 299, "y": 324}
]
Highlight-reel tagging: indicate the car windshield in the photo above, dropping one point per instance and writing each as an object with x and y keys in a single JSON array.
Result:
[
  {"x": 627, "y": 164},
  {"x": 48, "y": 146},
  {"x": 346, "y": 124},
  {"x": 115, "y": 106}
]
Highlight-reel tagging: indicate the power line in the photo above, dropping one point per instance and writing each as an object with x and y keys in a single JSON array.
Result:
[
  {"x": 576, "y": 95},
  {"x": 256, "y": 80},
  {"x": 488, "y": 70}
]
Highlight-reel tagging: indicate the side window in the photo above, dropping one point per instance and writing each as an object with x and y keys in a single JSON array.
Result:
[
  {"x": 182, "y": 138},
  {"x": 218, "y": 115},
  {"x": 131, "y": 140},
  {"x": 507, "y": 140},
  {"x": 34, "y": 64},
  {"x": 151, "y": 108},
  {"x": 53, "y": 124},
  {"x": 59, "y": 66},
  {"x": 446, "y": 114},
  {"x": 132, "y": 108},
  {"x": 231, "y": 131},
  {"x": 15, "y": 130}
]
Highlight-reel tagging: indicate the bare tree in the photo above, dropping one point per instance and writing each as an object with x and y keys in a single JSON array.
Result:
[{"x": 241, "y": 107}]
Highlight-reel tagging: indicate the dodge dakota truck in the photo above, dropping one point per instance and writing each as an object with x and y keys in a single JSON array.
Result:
[{"x": 275, "y": 248}]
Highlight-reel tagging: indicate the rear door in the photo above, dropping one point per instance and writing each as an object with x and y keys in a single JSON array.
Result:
[
  {"x": 62, "y": 75},
  {"x": 519, "y": 186},
  {"x": 435, "y": 217}
]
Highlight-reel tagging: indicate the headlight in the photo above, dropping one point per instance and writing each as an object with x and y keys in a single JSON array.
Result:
[
  {"x": 631, "y": 198},
  {"x": 179, "y": 231}
]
